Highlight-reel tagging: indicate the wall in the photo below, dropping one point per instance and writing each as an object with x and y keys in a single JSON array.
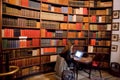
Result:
[{"x": 115, "y": 56}]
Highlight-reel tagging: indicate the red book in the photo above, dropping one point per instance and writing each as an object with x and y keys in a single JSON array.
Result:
[
  {"x": 49, "y": 34},
  {"x": 23, "y": 43},
  {"x": 11, "y": 33},
  {"x": 64, "y": 42},
  {"x": 25, "y": 3},
  {"x": 8, "y": 32},
  {"x": 35, "y": 42},
  {"x": 93, "y": 18},
  {"x": 65, "y": 18},
  {"x": 76, "y": 42},
  {"x": 93, "y": 41},
  {"x": 28, "y": 43},
  {"x": 78, "y": 26},
  {"x": 85, "y": 11},
  {"x": 80, "y": 34}
]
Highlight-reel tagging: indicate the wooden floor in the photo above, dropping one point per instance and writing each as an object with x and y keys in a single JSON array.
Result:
[{"x": 81, "y": 76}]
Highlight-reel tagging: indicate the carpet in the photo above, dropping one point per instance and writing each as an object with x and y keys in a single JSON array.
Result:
[{"x": 81, "y": 76}]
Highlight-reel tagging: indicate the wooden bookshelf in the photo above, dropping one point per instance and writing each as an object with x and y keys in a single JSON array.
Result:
[
  {"x": 100, "y": 29},
  {"x": 46, "y": 25},
  {"x": 53, "y": 31},
  {"x": 21, "y": 34}
]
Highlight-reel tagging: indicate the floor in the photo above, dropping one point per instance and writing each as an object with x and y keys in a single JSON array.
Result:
[{"x": 81, "y": 76}]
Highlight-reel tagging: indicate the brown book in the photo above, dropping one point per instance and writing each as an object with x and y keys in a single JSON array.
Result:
[
  {"x": 70, "y": 10},
  {"x": 37, "y": 24},
  {"x": 12, "y": 1},
  {"x": 85, "y": 19},
  {"x": 43, "y": 33},
  {"x": 44, "y": 7},
  {"x": 63, "y": 26}
]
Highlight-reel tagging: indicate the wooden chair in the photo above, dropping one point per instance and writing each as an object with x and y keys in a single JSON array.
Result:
[{"x": 97, "y": 63}]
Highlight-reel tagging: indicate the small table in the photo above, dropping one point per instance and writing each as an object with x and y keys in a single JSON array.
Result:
[{"x": 84, "y": 61}]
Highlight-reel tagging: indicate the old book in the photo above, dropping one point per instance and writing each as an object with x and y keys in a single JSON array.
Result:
[
  {"x": 90, "y": 49},
  {"x": 53, "y": 58}
]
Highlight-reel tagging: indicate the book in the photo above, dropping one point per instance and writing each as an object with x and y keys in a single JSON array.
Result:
[{"x": 90, "y": 49}]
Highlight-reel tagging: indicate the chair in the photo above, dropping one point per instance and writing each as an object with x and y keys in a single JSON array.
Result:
[
  {"x": 60, "y": 65},
  {"x": 97, "y": 63},
  {"x": 90, "y": 63}
]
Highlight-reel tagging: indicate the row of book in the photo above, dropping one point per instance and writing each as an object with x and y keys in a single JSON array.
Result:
[
  {"x": 52, "y": 16},
  {"x": 63, "y": 34},
  {"x": 92, "y": 18},
  {"x": 50, "y": 25},
  {"x": 53, "y": 42},
  {"x": 50, "y": 34},
  {"x": 81, "y": 34},
  {"x": 59, "y": 50},
  {"x": 47, "y": 59},
  {"x": 63, "y": 2},
  {"x": 100, "y": 42},
  {"x": 80, "y": 42},
  {"x": 93, "y": 49},
  {"x": 30, "y": 70},
  {"x": 7, "y": 32},
  {"x": 76, "y": 3},
  {"x": 53, "y": 8},
  {"x": 20, "y": 22},
  {"x": 24, "y": 53},
  {"x": 64, "y": 26},
  {"x": 22, "y": 43},
  {"x": 61, "y": 9},
  {"x": 25, "y": 3},
  {"x": 106, "y": 27},
  {"x": 51, "y": 50},
  {"x": 27, "y": 71},
  {"x": 20, "y": 12},
  {"x": 100, "y": 34},
  {"x": 48, "y": 50},
  {"x": 62, "y": 42},
  {"x": 100, "y": 19},
  {"x": 78, "y": 18},
  {"x": 100, "y": 4},
  {"x": 34, "y": 23},
  {"x": 82, "y": 11},
  {"x": 107, "y": 11},
  {"x": 26, "y": 62},
  {"x": 74, "y": 26}
]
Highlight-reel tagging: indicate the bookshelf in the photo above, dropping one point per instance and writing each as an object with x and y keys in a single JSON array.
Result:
[
  {"x": 1, "y": 67},
  {"x": 54, "y": 19},
  {"x": 35, "y": 31},
  {"x": 78, "y": 24},
  {"x": 100, "y": 14},
  {"x": 21, "y": 34}
]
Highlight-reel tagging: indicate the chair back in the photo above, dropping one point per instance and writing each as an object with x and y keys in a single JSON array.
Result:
[{"x": 97, "y": 60}]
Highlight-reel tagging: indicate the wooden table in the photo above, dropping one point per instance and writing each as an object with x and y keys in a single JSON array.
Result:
[{"x": 84, "y": 61}]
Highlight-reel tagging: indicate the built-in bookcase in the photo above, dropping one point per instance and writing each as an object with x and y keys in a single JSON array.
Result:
[
  {"x": 54, "y": 21},
  {"x": 21, "y": 34},
  {"x": 100, "y": 14},
  {"x": 36, "y": 31}
]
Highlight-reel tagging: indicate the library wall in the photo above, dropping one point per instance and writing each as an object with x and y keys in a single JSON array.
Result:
[{"x": 115, "y": 56}]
